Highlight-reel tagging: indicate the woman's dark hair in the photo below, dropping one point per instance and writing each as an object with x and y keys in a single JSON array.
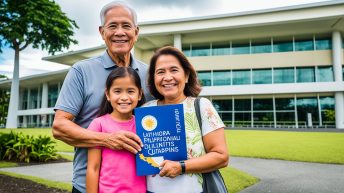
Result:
[
  {"x": 192, "y": 87},
  {"x": 120, "y": 72}
]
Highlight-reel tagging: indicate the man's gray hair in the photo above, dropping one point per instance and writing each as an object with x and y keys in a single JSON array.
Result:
[{"x": 113, "y": 4}]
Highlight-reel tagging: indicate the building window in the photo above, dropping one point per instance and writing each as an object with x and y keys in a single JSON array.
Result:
[
  {"x": 285, "y": 112},
  {"x": 222, "y": 105},
  {"x": 200, "y": 50},
  {"x": 305, "y": 74},
  {"x": 325, "y": 74},
  {"x": 221, "y": 78},
  {"x": 327, "y": 111},
  {"x": 261, "y": 46},
  {"x": 242, "y": 113},
  {"x": 283, "y": 46},
  {"x": 284, "y": 75},
  {"x": 186, "y": 50},
  {"x": 220, "y": 49},
  {"x": 323, "y": 44},
  {"x": 261, "y": 76},
  {"x": 304, "y": 45},
  {"x": 241, "y": 77},
  {"x": 205, "y": 78},
  {"x": 34, "y": 99},
  {"x": 24, "y": 102},
  {"x": 52, "y": 95},
  {"x": 240, "y": 48},
  {"x": 306, "y": 106}
]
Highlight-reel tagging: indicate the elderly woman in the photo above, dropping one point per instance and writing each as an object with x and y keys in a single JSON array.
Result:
[{"x": 173, "y": 80}]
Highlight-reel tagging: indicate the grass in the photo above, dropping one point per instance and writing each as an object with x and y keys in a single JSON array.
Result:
[
  {"x": 237, "y": 180},
  {"x": 321, "y": 147},
  {"x": 60, "y": 146},
  {"x": 48, "y": 183},
  {"x": 6, "y": 164}
]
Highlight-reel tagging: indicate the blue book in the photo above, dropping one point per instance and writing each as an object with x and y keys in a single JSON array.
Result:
[{"x": 162, "y": 131}]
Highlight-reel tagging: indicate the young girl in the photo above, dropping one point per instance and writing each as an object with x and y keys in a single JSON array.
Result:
[{"x": 108, "y": 170}]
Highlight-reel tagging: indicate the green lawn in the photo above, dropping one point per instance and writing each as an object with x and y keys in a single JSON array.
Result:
[
  {"x": 322, "y": 147},
  {"x": 237, "y": 180}
]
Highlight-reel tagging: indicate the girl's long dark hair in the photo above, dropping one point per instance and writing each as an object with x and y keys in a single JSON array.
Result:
[{"x": 120, "y": 72}]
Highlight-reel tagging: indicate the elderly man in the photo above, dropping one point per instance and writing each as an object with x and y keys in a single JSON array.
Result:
[{"x": 83, "y": 89}]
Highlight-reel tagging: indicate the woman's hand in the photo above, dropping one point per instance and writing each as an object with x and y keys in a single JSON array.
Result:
[{"x": 170, "y": 169}]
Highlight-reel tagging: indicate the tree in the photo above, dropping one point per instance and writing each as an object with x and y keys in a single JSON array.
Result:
[{"x": 39, "y": 23}]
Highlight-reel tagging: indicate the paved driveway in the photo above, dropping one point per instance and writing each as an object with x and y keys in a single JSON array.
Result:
[{"x": 279, "y": 176}]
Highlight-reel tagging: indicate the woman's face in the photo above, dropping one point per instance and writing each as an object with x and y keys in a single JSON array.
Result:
[{"x": 170, "y": 78}]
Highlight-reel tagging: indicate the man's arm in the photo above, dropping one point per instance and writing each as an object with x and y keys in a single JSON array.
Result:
[{"x": 66, "y": 130}]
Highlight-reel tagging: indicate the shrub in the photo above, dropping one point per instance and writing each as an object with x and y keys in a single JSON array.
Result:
[{"x": 20, "y": 147}]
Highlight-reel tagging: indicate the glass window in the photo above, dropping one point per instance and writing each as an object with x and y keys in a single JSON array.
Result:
[
  {"x": 34, "y": 99},
  {"x": 307, "y": 106},
  {"x": 303, "y": 45},
  {"x": 221, "y": 78},
  {"x": 284, "y": 75},
  {"x": 241, "y": 48},
  {"x": 222, "y": 105},
  {"x": 242, "y": 119},
  {"x": 205, "y": 78},
  {"x": 285, "y": 119},
  {"x": 241, "y": 77},
  {"x": 24, "y": 102},
  {"x": 328, "y": 115},
  {"x": 261, "y": 76},
  {"x": 226, "y": 118},
  {"x": 283, "y": 46},
  {"x": 186, "y": 51},
  {"x": 325, "y": 74},
  {"x": 261, "y": 48},
  {"x": 201, "y": 50},
  {"x": 220, "y": 49},
  {"x": 262, "y": 104},
  {"x": 265, "y": 119},
  {"x": 323, "y": 44},
  {"x": 242, "y": 104},
  {"x": 284, "y": 104},
  {"x": 52, "y": 95},
  {"x": 305, "y": 74}
]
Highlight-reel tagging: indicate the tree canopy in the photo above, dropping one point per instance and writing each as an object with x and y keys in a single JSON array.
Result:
[{"x": 40, "y": 23}]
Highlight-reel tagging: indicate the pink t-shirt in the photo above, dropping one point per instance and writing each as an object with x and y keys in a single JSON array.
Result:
[{"x": 118, "y": 171}]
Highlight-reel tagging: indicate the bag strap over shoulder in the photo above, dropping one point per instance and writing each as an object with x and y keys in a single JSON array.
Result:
[{"x": 198, "y": 112}]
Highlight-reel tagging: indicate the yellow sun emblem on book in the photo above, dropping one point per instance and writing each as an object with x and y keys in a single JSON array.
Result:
[{"x": 149, "y": 122}]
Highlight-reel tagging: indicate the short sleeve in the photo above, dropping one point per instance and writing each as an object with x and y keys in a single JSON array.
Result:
[
  {"x": 95, "y": 125},
  {"x": 71, "y": 96},
  {"x": 210, "y": 118}
]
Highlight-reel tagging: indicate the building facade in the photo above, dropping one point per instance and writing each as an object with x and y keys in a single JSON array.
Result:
[{"x": 269, "y": 68}]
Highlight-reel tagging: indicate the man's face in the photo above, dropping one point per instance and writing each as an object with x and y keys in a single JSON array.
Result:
[{"x": 119, "y": 31}]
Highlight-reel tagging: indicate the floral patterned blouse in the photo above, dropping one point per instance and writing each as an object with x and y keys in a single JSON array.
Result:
[{"x": 188, "y": 183}]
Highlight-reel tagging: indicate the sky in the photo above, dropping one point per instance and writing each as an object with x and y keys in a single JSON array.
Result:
[{"x": 86, "y": 15}]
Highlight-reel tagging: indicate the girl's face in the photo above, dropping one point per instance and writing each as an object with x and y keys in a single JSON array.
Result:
[
  {"x": 170, "y": 78},
  {"x": 123, "y": 96}
]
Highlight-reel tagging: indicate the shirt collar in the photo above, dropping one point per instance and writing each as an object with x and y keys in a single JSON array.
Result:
[{"x": 109, "y": 63}]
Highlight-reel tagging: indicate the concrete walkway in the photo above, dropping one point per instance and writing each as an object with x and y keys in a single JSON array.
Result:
[
  {"x": 279, "y": 176},
  {"x": 276, "y": 176}
]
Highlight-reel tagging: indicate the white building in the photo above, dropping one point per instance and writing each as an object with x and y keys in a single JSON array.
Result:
[{"x": 270, "y": 68}]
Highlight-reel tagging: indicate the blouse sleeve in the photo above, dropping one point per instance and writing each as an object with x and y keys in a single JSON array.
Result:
[
  {"x": 95, "y": 126},
  {"x": 210, "y": 118}
]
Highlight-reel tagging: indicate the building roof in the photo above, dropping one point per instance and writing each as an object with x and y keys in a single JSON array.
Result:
[{"x": 37, "y": 78}]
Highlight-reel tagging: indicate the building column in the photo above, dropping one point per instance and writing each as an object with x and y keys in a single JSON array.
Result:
[
  {"x": 44, "y": 103},
  {"x": 177, "y": 41},
  {"x": 337, "y": 56}
]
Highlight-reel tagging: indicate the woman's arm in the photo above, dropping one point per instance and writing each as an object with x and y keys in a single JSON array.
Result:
[
  {"x": 93, "y": 168},
  {"x": 216, "y": 157}
]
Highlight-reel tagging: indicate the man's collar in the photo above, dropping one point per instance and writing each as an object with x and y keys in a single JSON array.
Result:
[{"x": 109, "y": 63}]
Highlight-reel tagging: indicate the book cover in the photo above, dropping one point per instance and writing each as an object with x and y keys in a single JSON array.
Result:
[{"x": 162, "y": 131}]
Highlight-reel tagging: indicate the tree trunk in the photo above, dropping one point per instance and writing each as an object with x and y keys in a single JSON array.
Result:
[{"x": 12, "y": 115}]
